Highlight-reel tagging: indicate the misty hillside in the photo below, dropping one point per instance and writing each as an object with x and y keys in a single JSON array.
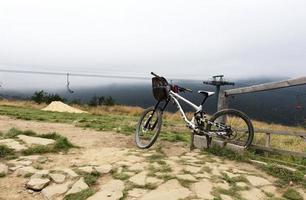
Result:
[{"x": 279, "y": 106}]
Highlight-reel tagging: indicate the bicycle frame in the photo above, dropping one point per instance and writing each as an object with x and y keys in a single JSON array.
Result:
[
  {"x": 175, "y": 97},
  {"x": 190, "y": 124}
]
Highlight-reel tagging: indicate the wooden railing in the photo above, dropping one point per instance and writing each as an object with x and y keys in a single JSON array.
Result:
[
  {"x": 267, "y": 147},
  {"x": 223, "y": 103}
]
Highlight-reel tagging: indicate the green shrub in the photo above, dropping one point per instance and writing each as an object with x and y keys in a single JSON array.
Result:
[{"x": 292, "y": 194}]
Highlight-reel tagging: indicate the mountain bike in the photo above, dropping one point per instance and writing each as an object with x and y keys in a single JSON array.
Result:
[{"x": 229, "y": 125}]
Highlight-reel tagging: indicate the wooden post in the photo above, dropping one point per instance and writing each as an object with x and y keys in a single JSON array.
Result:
[
  {"x": 268, "y": 140},
  {"x": 222, "y": 101}
]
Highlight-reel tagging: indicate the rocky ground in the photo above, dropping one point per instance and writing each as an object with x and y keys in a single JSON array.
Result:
[{"x": 110, "y": 165}]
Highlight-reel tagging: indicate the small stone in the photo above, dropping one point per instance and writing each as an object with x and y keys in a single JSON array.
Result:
[
  {"x": 153, "y": 180},
  {"x": 40, "y": 174},
  {"x": 225, "y": 197},
  {"x": 201, "y": 192},
  {"x": 13, "y": 144},
  {"x": 53, "y": 191},
  {"x": 104, "y": 169},
  {"x": 201, "y": 175},
  {"x": 78, "y": 187},
  {"x": 37, "y": 184},
  {"x": 186, "y": 177},
  {"x": 21, "y": 162},
  {"x": 15, "y": 168},
  {"x": 242, "y": 184},
  {"x": 69, "y": 172},
  {"x": 224, "y": 186},
  {"x": 192, "y": 169},
  {"x": 113, "y": 190},
  {"x": 139, "y": 179},
  {"x": 30, "y": 191},
  {"x": 137, "y": 167},
  {"x": 25, "y": 170},
  {"x": 87, "y": 169},
  {"x": 58, "y": 178},
  {"x": 29, "y": 140},
  {"x": 171, "y": 190},
  {"x": 257, "y": 162},
  {"x": 258, "y": 181},
  {"x": 137, "y": 192},
  {"x": 254, "y": 193},
  {"x": 3, "y": 168}
]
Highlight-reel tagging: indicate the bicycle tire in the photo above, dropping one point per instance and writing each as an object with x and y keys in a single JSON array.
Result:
[
  {"x": 240, "y": 114},
  {"x": 139, "y": 124}
]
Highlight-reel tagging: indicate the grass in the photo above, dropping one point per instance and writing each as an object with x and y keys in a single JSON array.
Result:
[
  {"x": 232, "y": 191},
  {"x": 61, "y": 143},
  {"x": 284, "y": 176},
  {"x": 121, "y": 176},
  {"x": 90, "y": 178},
  {"x": 6, "y": 151},
  {"x": 233, "y": 180},
  {"x": 84, "y": 194},
  {"x": 292, "y": 194}
]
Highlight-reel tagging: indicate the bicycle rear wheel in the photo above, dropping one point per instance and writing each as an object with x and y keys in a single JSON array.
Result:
[
  {"x": 148, "y": 128},
  {"x": 232, "y": 126}
]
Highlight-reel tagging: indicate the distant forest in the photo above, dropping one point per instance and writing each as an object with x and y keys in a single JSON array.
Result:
[{"x": 285, "y": 106}]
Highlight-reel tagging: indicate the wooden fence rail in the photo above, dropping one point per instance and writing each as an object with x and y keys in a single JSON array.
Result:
[
  {"x": 267, "y": 147},
  {"x": 223, "y": 103}
]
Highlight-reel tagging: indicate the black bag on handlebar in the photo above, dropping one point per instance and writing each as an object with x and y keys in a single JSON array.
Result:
[{"x": 161, "y": 88}]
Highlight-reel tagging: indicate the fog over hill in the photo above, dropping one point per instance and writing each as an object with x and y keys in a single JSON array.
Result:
[{"x": 277, "y": 106}]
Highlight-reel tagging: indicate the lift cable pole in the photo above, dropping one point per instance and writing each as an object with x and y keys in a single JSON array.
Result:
[{"x": 218, "y": 81}]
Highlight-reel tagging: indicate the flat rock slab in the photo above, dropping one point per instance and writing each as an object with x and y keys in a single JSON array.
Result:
[
  {"x": 203, "y": 189},
  {"x": 53, "y": 191},
  {"x": 192, "y": 169},
  {"x": 171, "y": 190},
  {"x": 186, "y": 177},
  {"x": 57, "y": 178},
  {"x": 254, "y": 193},
  {"x": 137, "y": 193},
  {"x": 68, "y": 171},
  {"x": 113, "y": 190},
  {"x": 3, "y": 168},
  {"x": 13, "y": 144},
  {"x": 35, "y": 140},
  {"x": 258, "y": 181},
  {"x": 104, "y": 169},
  {"x": 25, "y": 170},
  {"x": 37, "y": 184},
  {"x": 87, "y": 169},
  {"x": 40, "y": 174},
  {"x": 78, "y": 187},
  {"x": 139, "y": 179}
]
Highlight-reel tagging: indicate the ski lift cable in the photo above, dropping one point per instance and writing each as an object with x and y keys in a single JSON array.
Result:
[{"x": 96, "y": 75}]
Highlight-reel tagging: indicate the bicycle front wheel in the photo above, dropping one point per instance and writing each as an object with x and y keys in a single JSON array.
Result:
[
  {"x": 232, "y": 126},
  {"x": 148, "y": 128}
]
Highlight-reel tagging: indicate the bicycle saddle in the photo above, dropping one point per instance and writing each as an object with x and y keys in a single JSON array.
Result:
[{"x": 206, "y": 93}]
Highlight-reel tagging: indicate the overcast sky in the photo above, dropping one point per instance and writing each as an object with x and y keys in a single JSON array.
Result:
[{"x": 184, "y": 39}]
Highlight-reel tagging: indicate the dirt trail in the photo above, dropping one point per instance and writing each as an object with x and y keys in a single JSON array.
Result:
[{"x": 194, "y": 171}]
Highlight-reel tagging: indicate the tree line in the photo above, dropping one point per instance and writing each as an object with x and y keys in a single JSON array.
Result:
[{"x": 45, "y": 97}]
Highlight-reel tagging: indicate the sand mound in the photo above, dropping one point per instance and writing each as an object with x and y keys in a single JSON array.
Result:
[{"x": 58, "y": 106}]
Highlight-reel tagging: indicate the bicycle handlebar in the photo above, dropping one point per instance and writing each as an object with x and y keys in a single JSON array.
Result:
[
  {"x": 181, "y": 89},
  {"x": 154, "y": 74}
]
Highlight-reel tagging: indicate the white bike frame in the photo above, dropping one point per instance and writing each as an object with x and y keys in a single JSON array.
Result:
[{"x": 174, "y": 96}]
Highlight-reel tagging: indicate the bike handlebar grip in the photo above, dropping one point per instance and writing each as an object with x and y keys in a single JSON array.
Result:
[
  {"x": 189, "y": 90},
  {"x": 154, "y": 74}
]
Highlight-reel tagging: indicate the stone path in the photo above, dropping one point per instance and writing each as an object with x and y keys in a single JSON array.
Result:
[{"x": 146, "y": 175}]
